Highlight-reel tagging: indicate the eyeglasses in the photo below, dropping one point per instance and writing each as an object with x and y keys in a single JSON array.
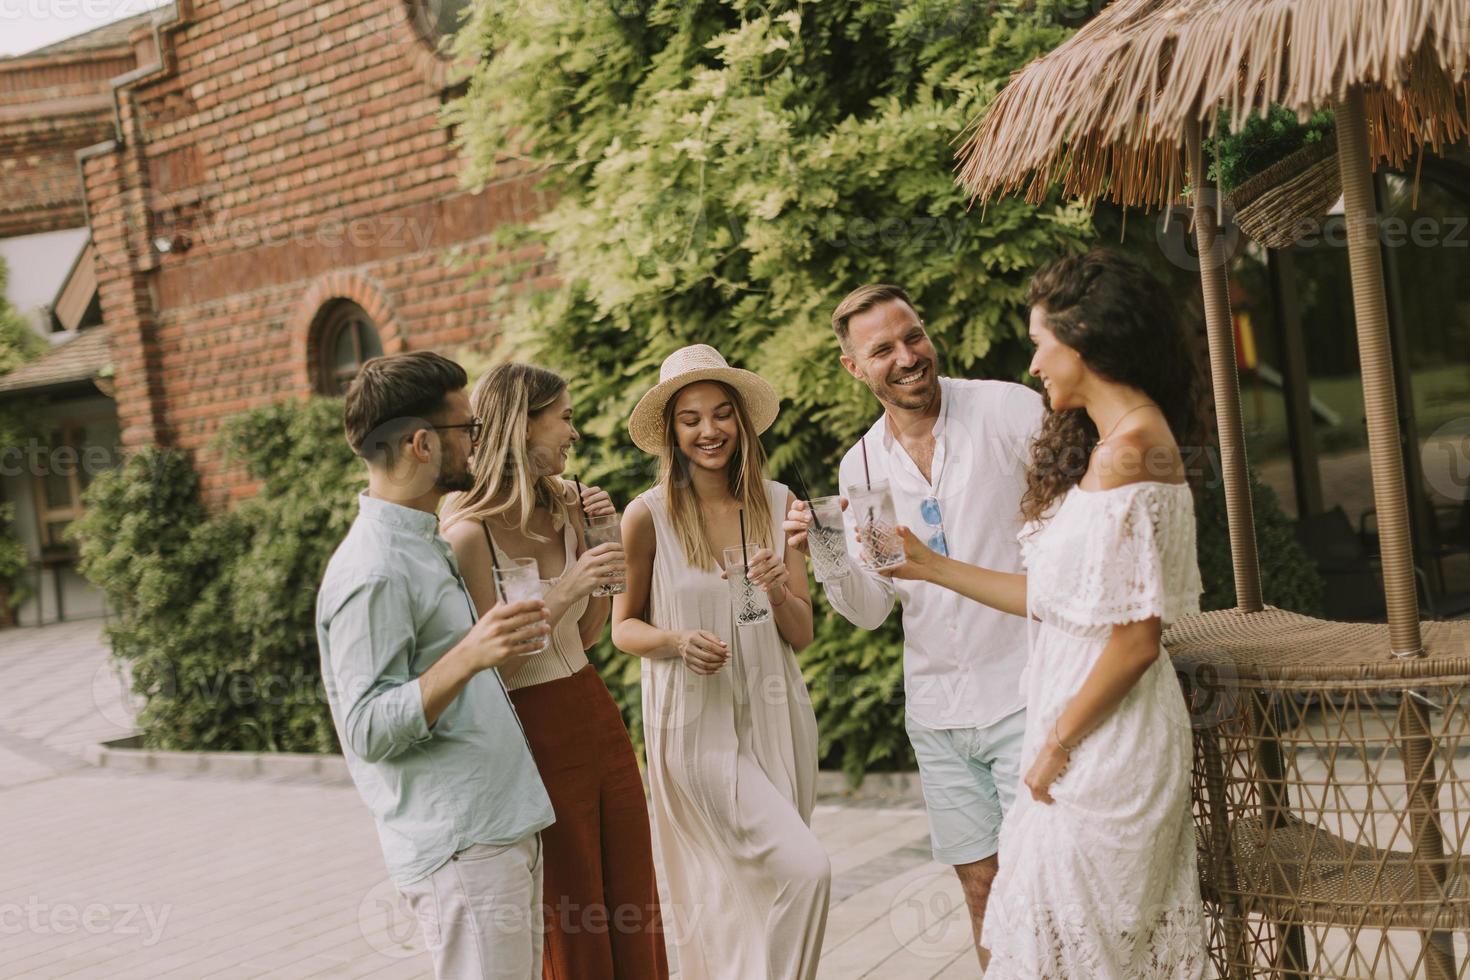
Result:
[
  {"x": 476, "y": 426},
  {"x": 934, "y": 517}
]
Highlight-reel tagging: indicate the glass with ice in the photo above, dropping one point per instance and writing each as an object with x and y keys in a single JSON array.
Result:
[
  {"x": 519, "y": 581},
  {"x": 877, "y": 524},
  {"x": 752, "y": 605},
  {"x": 827, "y": 539},
  {"x": 607, "y": 530}
]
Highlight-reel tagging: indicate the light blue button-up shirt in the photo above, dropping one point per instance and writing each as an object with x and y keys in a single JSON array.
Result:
[{"x": 391, "y": 604}]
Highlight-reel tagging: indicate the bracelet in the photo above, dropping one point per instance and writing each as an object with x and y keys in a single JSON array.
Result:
[
  {"x": 1058, "y": 739},
  {"x": 785, "y": 594}
]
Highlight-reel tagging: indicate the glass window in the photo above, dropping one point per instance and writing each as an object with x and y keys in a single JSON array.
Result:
[
  {"x": 348, "y": 338},
  {"x": 438, "y": 20},
  {"x": 1260, "y": 359},
  {"x": 65, "y": 475}
]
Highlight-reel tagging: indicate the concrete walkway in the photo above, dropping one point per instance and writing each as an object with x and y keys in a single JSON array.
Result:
[{"x": 153, "y": 875}]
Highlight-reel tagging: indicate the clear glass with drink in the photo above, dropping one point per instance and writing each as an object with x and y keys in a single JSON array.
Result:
[
  {"x": 752, "y": 605},
  {"x": 519, "y": 581},
  {"x": 827, "y": 539},
  {"x": 877, "y": 522},
  {"x": 607, "y": 530}
]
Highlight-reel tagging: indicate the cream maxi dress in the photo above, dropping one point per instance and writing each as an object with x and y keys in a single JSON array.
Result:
[
  {"x": 1102, "y": 883},
  {"x": 732, "y": 766}
]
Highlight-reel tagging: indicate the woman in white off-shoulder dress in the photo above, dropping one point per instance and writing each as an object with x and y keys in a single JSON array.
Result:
[{"x": 1098, "y": 875}]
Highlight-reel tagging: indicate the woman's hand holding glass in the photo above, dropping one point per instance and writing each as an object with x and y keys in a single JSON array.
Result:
[
  {"x": 766, "y": 572},
  {"x": 921, "y": 563},
  {"x": 594, "y": 569}
]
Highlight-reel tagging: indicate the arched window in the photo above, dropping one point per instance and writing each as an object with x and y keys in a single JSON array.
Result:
[
  {"x": 348, "y": 337},
  {"x": 438, "y": 20}
]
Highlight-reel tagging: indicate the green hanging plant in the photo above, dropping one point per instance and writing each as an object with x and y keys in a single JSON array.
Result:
[{"x": 1236, "y": 157}]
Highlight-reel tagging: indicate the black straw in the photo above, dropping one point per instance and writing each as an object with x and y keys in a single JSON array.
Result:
[
  {"x": 579, "y": 494},
  {"x": 743, "y": 555},
  {"x": 867, "y": 477},
  {"x": 807, "y": 491}
]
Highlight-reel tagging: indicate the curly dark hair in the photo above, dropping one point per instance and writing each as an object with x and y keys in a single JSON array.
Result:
[{"x": 1122, "y": 321}]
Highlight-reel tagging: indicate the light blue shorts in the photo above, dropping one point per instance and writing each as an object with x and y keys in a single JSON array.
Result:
[{"x": 969, "y": 777}]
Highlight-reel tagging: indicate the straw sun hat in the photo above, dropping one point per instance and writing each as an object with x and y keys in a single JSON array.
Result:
[{"x": 685, "y": 366}]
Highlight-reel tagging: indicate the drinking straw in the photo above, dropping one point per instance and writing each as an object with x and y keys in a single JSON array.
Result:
[
  {"x": 807, "y": 492},
  {"x": 867, "y": 477},
  {"x": 743, "y": 556},
  {"x": 579, "y": 487}
]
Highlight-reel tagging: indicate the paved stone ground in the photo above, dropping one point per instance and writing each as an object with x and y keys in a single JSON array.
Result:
[{"x": 153, "y": 875}]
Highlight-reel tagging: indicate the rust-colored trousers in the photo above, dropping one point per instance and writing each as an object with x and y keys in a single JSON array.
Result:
[{"x": 603, "y": 920}]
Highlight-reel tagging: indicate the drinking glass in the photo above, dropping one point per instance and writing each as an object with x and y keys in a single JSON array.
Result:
[
  {"x": 519, "y": 581},
  {"x": 752, "y": 605},
  {"x": 827, "y": 539},
  {"x": 877, "y": 523},
  {"x": 607, "y": 530}
]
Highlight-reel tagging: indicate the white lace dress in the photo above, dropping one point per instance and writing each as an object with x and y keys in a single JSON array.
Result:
[{"x": 1102, "y": 884}]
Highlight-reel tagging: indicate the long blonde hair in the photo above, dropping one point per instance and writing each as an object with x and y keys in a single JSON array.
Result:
[
  {"x": 504, "y": 400},
  {"x": 746, "y": 481}
]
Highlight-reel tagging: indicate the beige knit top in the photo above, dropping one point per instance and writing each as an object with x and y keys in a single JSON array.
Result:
[{"x": 564, "y": 655}]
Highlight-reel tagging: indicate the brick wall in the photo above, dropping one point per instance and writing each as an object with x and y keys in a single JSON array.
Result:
[
  {"x": 50, "y": 107},
  {"x": 295, "y": 148}
]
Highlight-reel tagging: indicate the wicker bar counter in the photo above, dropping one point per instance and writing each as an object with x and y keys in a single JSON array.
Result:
[{"x": 1331, "y": 794}]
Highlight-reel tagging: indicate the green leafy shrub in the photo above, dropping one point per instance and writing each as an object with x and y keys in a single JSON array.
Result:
[
  {"x": 216, "y": 611},
  {"x": 1289, "y": 579},
  {"x": 13, "y": 562},
  {"x": 18, "y": 344}
]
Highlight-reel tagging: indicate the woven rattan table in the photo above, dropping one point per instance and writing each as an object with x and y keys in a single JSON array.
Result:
[{"x": 1331, "y": 794}]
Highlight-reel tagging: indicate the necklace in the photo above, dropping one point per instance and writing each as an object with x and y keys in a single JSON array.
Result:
[{"x": 1120, "y": 421}]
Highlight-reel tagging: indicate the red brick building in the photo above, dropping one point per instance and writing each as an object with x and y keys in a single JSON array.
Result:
[{"x": 271, "y": 197}]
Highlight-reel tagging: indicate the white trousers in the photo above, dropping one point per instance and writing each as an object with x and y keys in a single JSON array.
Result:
[{"x": 480, "y": 912}]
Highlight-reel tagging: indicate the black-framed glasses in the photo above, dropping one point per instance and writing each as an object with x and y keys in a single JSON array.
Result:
[
  {"x": 476, "y": 426},
  {"x": 934, "y": 517}
]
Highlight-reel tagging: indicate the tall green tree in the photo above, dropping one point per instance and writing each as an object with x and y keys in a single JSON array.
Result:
[
  {"x": 724, "y": 171},
  {"x": 18, "y": 342}
]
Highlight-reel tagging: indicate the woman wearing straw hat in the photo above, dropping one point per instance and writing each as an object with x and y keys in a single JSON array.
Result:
[
  {"x": 732, "y": 740},
  {"x": 601, "y": 907}
]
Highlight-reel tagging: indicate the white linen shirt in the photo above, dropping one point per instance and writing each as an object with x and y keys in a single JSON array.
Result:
[{"x": 962, "y": 660}]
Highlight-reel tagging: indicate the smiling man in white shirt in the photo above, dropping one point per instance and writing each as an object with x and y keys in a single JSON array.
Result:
[{"x": 954, "y": 455}]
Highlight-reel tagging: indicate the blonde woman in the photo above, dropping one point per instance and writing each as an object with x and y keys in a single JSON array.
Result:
[
  {"x": 732, "y": 741},
  {"x": 601, "y": 907}
]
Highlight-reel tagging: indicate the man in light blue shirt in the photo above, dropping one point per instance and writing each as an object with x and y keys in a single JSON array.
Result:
[{"x": 429, "y": 734}]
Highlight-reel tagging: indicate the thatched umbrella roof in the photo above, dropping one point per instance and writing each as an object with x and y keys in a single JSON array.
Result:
[{"x": 1103, "y": 114}]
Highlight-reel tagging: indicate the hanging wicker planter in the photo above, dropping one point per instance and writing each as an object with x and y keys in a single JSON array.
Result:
[{"x": 1281, "y": 204}]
